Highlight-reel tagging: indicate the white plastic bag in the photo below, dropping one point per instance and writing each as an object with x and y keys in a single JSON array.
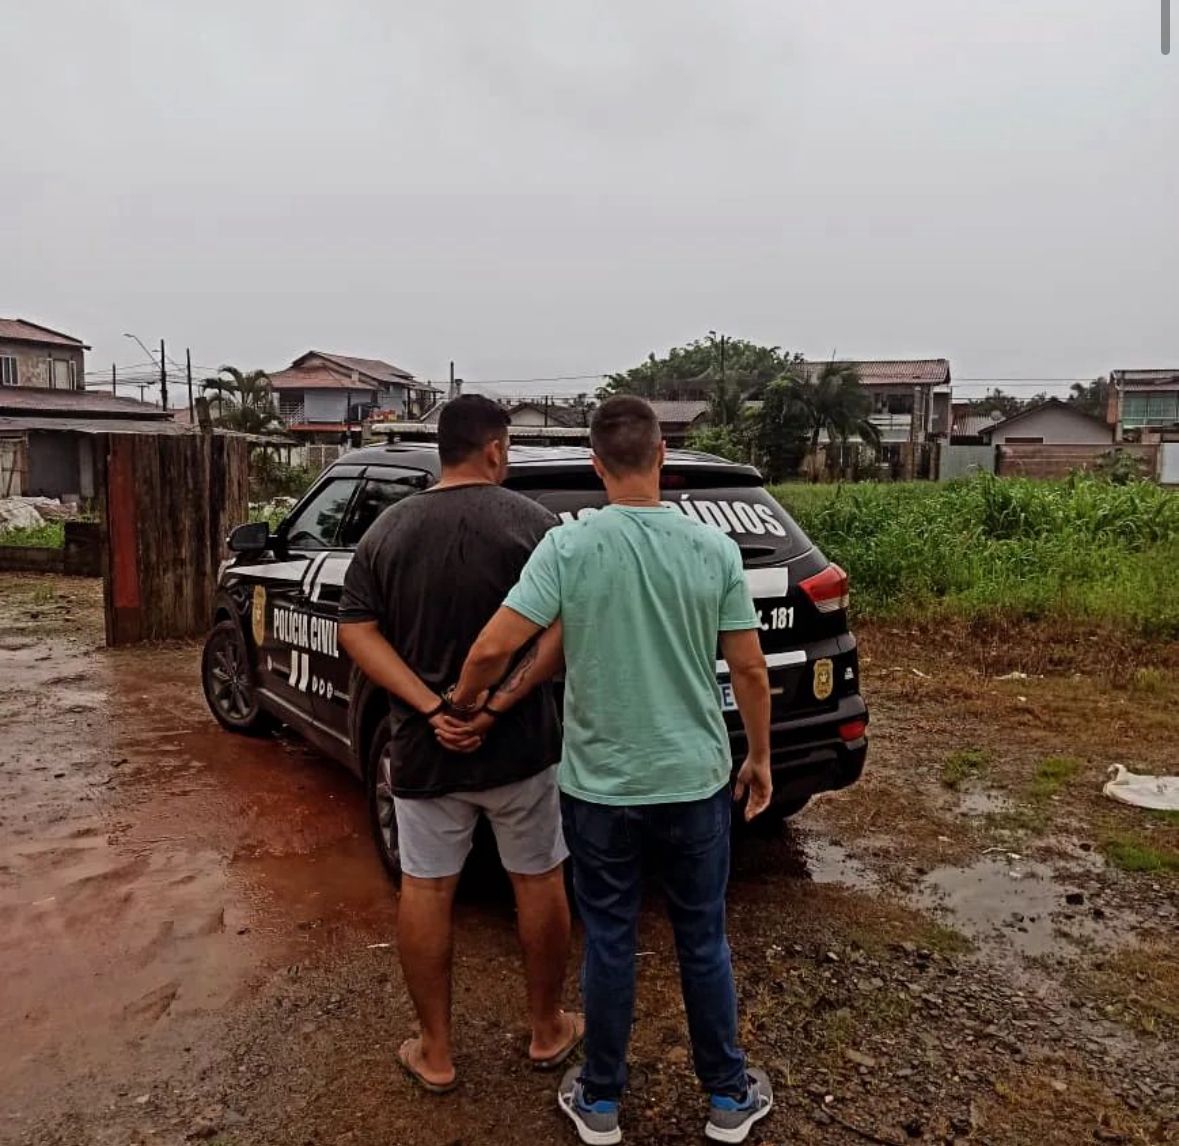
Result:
[{"x": 1158, "y": 792}]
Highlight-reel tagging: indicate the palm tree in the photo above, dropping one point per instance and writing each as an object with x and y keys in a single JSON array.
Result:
[
  {"x": 834, "y": 402},
  {"x": 245, "y": 401}
]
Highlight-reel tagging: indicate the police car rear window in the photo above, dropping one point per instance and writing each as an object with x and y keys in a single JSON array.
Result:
[{"x": 765, "y": 532}]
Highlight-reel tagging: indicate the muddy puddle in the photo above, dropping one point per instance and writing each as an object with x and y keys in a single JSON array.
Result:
[
  {"x": 980, "y": 802},
  {"x": 1018, "y": 905},
  {"x": 151, "y": 866}
]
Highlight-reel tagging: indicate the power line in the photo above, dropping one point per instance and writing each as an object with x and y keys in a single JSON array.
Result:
[
  {"x": 1021, "y": 381},
  {"x": 531, "y": 381}
]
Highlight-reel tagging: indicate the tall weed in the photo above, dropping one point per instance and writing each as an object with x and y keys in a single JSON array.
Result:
[{"x": 986, "y": 546}]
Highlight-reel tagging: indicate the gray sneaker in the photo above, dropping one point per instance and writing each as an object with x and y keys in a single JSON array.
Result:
[
  {"x": 596, "y": 1122},
  {"x": 731, "y": 1121}
]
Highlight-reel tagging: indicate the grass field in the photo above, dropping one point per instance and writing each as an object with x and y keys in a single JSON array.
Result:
[
  {"x": 50, "y": 535},
  {"x": 1078, "y": 549}
]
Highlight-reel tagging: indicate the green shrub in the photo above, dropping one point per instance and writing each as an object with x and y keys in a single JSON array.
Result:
[
  {"x": 48, "y": 535},
  {"x": 270, "y": 478},
  {"x": 1006, "y": 547}
]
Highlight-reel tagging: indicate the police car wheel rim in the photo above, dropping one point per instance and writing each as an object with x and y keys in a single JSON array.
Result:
[
  {"x": 230, "y": 686},
  {"x": 386, "y": 819}
]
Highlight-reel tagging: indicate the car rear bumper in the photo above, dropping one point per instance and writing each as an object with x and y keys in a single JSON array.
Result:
[{"x": 808, "y": 755}]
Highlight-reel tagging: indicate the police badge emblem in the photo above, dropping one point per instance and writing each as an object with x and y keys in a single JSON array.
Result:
[{"x": 824, "y": 679}]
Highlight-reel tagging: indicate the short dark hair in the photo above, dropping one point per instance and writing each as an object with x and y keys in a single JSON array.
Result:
[
  {"x": 625, "y": 434},
  {"x": 466, "y": 425}
]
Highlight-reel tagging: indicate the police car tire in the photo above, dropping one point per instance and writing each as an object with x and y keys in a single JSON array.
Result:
[
  {"x": 257, "y": 722},
  {"x": 390, "y": 858}
]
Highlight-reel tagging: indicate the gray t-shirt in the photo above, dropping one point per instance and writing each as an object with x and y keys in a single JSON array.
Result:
[{"x": 431, "y": 571}]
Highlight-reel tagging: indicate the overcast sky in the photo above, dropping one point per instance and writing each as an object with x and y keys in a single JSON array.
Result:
[{"x": 538, "y": 189}]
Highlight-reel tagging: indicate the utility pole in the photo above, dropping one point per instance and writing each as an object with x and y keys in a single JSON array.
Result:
[
  {"x": 188, "y": 372},
  {"x": 163, "y": 376},
  {"x": 114, "y": 381},
  {"x": 450, "y": 395}
]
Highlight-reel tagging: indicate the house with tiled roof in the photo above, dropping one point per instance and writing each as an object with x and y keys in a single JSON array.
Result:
[
  {"x": 1144, "y": 404},
  {"x": 327, "y": 398},
  {"x": 911, "y": 397},
  {"x": 37, "y": 356},
  {"x": 546, "y": 412}
]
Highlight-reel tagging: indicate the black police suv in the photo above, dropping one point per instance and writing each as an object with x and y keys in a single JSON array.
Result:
[{"x": 273, "y": 655}]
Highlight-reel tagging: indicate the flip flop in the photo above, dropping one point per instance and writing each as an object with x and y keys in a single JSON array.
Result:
[
  {"x": 418, "y": 1077},
  {"x": 562, "y": 1056}
]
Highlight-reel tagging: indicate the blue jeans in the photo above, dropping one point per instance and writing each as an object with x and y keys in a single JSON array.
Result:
[{"x": 687, "y": 846}]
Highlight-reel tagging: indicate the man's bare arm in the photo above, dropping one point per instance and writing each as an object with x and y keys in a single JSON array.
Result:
[
  {"x": 503, "y": 636},
  {"x": 540, "y": 662},
  {"x": 381, "y": 663},
  {"x": 751, "y": 690}
]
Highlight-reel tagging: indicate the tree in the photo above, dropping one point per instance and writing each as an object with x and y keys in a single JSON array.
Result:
[
  {"x": 729, "y": 442},
  {"x": 837, "y": 403},
  {"x": 997, "y": 402},
  {"x": 778, "y": 430},
  {"x": 245, "y": 401},
  {"x": 1091, "y": 397},
  {"x": 695, "y": 372}
]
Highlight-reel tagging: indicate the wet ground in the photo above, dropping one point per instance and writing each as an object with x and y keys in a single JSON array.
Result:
[{"x": 195, "y": 934}]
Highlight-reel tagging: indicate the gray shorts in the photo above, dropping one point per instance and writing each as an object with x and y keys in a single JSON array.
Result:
[{"x": 435, "y": 833}]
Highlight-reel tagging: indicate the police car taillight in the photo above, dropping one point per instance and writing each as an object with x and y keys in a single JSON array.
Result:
[{"x": 827, "y": 591}]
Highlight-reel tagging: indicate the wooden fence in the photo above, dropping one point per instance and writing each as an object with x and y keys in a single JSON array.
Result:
[{"x": 169, "y": 502}]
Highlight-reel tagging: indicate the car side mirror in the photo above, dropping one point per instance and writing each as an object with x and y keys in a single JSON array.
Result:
[{"x": 253, "y": 537}]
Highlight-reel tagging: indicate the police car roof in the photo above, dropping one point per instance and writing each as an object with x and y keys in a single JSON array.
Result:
[{"x": 530, "y": 459}]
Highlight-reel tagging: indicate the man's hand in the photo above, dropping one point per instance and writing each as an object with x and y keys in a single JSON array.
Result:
[
  {"x": 459, "y": 735},
  {"x": 754, "y": 778}
]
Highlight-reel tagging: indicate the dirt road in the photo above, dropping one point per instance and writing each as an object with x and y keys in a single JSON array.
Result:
[{"x": 194, "y": 929}]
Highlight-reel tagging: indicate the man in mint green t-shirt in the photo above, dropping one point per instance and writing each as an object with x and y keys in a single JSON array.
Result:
[{"x": 643, "y": 594}]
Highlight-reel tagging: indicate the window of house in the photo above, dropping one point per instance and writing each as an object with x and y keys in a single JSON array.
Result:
[
  {"x": 61, "y": 374},
  {"x": 7, "y": 370},
  {"x": 290, "y": 407},
  {"x": 1145, "y": 409}
]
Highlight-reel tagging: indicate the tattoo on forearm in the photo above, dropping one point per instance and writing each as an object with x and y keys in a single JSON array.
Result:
[{"x": 517, "y": 676}]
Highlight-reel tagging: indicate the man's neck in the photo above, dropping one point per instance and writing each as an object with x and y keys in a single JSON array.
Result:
[
  {"x": 635, "y": 489},
  {"x": 463, "y": 475}
]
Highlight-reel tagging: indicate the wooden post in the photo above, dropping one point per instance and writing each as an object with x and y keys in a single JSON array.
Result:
[{"x": 169, "y": 502}]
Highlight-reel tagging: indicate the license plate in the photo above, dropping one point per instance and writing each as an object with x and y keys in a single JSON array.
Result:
[{"x": 728, "y": 700}]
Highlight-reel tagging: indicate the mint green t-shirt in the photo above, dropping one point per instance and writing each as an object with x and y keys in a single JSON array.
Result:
[{"x": 642, "y": 594}]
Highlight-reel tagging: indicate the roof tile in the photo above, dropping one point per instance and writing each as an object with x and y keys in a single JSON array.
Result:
[
  {"x": 880, "y": 371},
  {"x": 21, "y": 330},
  {"x": 67, "y": 403}
]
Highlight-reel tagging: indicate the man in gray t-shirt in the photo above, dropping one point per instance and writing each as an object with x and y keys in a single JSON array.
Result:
[
  {"x": 425, "y": 579},
  {"x": 430, "y": 573}
]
